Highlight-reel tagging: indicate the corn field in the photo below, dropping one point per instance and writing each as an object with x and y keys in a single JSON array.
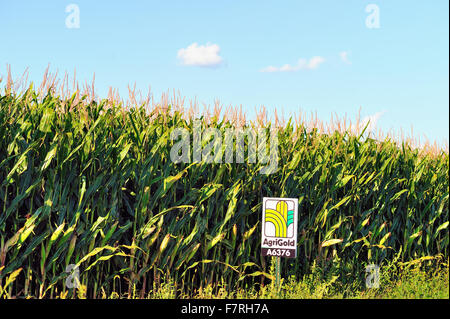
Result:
[{"x": 90, "y": 182}]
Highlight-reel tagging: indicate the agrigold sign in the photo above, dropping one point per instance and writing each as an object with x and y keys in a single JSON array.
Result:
[{"x": 279, "y": 230}]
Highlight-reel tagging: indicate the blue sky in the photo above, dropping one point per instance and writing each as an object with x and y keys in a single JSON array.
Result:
[{"x": 220, "y": 49}]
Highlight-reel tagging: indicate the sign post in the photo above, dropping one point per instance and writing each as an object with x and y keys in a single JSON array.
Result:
[
  {"x": 278, "y": 273},
  {"x": 279, "y": 230}
]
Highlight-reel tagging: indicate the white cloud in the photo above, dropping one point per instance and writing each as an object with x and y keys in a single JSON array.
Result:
[
  {"x": 370, "y": 121},
  {"x": 302, "y": 64},
  {"x": 344, "y": 57},
  {"x": 314, "y": 62},
  {"x": 200, "y": 55}
]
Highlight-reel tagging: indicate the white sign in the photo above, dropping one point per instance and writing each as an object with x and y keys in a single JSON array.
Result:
[{"x": 279, "y": 230}]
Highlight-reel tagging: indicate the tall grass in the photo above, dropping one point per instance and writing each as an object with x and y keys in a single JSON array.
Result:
[{"x": 89, "y": 182}]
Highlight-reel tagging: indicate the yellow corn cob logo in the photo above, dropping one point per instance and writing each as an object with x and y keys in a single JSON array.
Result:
[{"x": 280, "y": 217}]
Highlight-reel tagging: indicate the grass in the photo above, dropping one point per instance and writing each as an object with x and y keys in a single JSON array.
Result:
[
  {"x": 416, "y": 282},
  {"x": 89, "y": 181}
]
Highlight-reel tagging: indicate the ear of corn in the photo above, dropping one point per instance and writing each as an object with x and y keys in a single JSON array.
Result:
[{"x": 95, "y": 187}]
